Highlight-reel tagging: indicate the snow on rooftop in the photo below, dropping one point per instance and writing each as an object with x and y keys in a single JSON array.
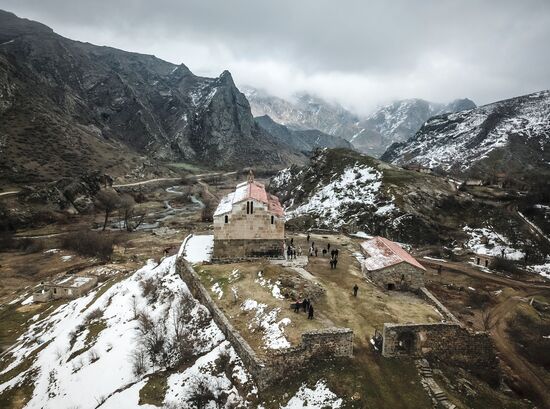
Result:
[
  {"x": 384, "y": 253},
  {"x": 246, "y": 191}
]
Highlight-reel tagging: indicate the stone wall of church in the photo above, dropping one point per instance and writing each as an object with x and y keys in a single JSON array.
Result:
[
  {"x": 243, "y": 226},
  {"x": 240, "y": 249}
]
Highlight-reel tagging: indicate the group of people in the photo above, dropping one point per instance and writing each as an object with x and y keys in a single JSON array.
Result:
[
  {"x": 306, "y": 305},
  {"x": 292, "y": 252}
]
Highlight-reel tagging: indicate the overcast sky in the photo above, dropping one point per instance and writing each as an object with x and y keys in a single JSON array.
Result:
[{"x": 359, "y": 53}]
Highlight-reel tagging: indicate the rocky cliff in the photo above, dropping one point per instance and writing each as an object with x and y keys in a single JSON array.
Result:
[{"x": 68, "y": 105}]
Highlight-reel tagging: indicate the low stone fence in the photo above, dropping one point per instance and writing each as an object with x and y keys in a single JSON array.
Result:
[
  {"x": 322, "y": 344},
  {"x": 449, "y": 342},
  {"x": 430, "y": 298}
]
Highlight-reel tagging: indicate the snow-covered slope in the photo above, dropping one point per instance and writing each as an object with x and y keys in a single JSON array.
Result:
[
  {"x": 345, "y": 189},
  {"x": 398, "y": 121},
  {"x": 105, "y": 348},
  {"x": 507, "y": 136}
]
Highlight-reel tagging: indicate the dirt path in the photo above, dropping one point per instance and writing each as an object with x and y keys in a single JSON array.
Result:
[
  {"x": 144, "y": 182},
  {"x": 462, "y": 268},
  {"x": 11, "y": 192},
  {"x": 526, "y": 375}
]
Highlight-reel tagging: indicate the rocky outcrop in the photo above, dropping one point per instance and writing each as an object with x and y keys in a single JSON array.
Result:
[
  {"x": 68, "y": 106},
  {"x": 301, "y": 140}
]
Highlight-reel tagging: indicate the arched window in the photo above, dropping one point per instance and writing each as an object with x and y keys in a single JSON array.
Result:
[
  {"x": 272, "y": 219},
  {"x": 226, "y": 218},
  {"x": 251, "y": 207}
]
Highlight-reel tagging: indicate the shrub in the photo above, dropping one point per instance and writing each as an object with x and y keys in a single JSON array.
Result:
[
  {"x": 90, "y": 243},
  {"x": 506, "y": 265}
]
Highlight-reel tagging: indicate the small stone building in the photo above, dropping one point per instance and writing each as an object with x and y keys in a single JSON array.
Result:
[
  {"x": 64, "y": 287},
  {"x": 483, "y": 260},
  {"x": 389, "y": 266},
  {"x": 249, "y": 222}
]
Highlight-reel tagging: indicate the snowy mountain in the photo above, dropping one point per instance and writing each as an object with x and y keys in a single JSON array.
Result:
[
  {"x": 303, "y": 111},
  {"x": 68, "y": 106},
  {"x": 395, "y": 122},
  {"x": 510, "y": 136},
  {"x": 399, "y": 121},
  {"x": 306, "y": 140}
]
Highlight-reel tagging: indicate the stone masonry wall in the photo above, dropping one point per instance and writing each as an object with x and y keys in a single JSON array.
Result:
[
  {"x": 234, "y": 249},
  {"x": 402, "y": 276},
  {"x": 249, "y": 226},
  {"x": 449, "y": 342},
  {"x": 323, "y": 344}
]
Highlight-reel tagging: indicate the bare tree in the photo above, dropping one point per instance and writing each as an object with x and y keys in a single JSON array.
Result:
[
  {"x": 107, "y": 201},
  {"x": 128, "y": 210}
]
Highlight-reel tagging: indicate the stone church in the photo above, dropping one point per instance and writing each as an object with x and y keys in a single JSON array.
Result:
[
  {"x": 249, "y": 222},
  {"x": 389, "y": 266}
]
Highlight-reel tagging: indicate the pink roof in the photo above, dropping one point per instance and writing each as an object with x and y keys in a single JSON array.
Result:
[
  {"x": 250, "y": 191},
  {"x": 384, "y": 253}
]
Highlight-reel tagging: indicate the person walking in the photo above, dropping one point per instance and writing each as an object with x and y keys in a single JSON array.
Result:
[
  {"x": 324, "y": 252},
  {"x": 335, "y": 263},
  {"x": 310, "y": 312},
  {"x": 332, "y": 254},
  {"x": 315, "y": 251},
  {"x": 305, "y": 304},
  {"x": 355, "y": 289},
  {"x": 331, "y": 263},
  {"x": 307, "y": 238},
  {"x": 296, "y": 306},
  {"x": 336, "y": 252},
  {"x": 328, "y": 246}
]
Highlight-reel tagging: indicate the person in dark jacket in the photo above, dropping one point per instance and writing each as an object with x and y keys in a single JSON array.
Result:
[
  {"x": 307, "y": 238},
  {"x": 315, "y": 251},
  {"x": 296, "y": 306},
  {"x": 310, "y": 312},
  {"x": 328, "y": 246},
  {"x": 335, "y": 262},
  {"x": 355, "y": 289},
  {"x": 336, "y": 252},
  {"x": 305, "y": 304}
]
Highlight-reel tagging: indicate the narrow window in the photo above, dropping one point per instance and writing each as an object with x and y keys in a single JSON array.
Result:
[
  {"x": 251, "y": 207},
  {"x": 247, "y": 207},
  {"x": 272, "y": 220},
  {"x": 226, "y": 219}
]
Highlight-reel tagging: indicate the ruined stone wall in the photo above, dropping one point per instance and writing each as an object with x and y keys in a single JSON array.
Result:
[
  {"x": 235, "y": 249},
  {"x": 253, "y": 226},
  {"x": 402, "y": 276},
  {"x": 448, "y": 342},
  {"x": 321, "y": 344}
]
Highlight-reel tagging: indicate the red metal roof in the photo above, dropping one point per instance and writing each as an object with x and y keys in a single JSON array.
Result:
[
  {"x": 252, "y": 190},
  {"x": 384, "y": 253}
]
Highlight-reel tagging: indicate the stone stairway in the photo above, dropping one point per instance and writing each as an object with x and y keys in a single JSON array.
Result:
[{"x": 439, "y": 397}]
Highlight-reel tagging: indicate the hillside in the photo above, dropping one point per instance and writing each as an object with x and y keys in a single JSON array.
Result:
[
  {"x": 509, "y": 137},
  {"x": 68, "y": 106},
  {"x": 343, "y": 189},
  {"x": 306, "y": 140}
]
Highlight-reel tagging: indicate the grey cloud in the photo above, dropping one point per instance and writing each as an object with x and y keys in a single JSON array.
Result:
[{"x": 359, "y": 53}]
